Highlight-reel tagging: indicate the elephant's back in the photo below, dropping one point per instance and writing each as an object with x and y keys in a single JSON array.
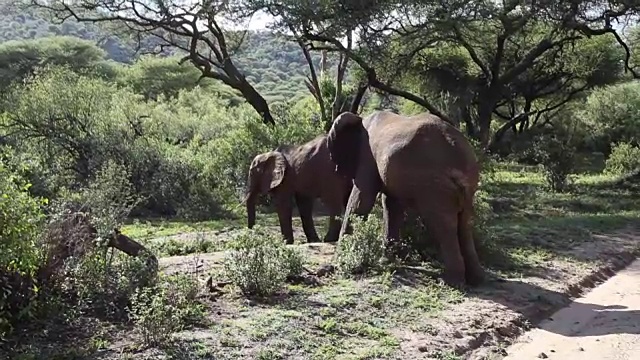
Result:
[
  {"x": 421, "y": 153},
  {"x": 315, "y": 172}
]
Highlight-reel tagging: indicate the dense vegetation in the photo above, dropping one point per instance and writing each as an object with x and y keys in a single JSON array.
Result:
[{"x": 94, "y": 135}]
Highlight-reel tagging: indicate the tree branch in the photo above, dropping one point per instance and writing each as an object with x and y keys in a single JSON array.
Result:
[{"x": 373, "y": 78}]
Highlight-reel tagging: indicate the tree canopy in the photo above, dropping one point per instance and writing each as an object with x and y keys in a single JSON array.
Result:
[{"x": 486, "y": 66}]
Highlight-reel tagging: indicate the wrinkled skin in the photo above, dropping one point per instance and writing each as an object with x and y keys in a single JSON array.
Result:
[
  {"x": 302, "y": 173},
  {"x": 419, "y": 162}
]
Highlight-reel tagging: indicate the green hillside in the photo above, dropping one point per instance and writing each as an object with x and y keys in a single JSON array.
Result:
[{"x": 276, "y": 67}]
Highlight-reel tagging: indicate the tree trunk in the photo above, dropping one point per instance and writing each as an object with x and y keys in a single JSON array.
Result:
[
  {"x": 256, "y": 101},
  {"x": 323, "y": 62},
  {"x": 355, "y": 104}
]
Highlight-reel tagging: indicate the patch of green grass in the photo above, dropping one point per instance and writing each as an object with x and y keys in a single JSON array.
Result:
[
  {"x": 153, "y": 228},
  {"x": 536, "y": 225},
  {"x": 344, "y": 318}
]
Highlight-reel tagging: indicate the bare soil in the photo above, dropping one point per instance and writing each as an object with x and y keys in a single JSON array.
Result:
[{"x": 604, "y": 324}]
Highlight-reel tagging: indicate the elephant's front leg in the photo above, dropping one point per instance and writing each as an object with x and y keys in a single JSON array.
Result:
[
  {"x": 305, "y": 208},
  {"x": 284, "y": 208},
  {"x": 360, "y": 203},
  {"x": 335, "y": 206}
]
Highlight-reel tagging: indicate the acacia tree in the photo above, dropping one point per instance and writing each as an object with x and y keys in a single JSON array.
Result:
[
  {"x": 191, "y": 27},
  {"x": 534, "y": 98},
  {"x": 392, "y": 33}
]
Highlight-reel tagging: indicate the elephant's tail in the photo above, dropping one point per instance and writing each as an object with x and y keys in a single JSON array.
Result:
[{"x": 464, "y": 189}]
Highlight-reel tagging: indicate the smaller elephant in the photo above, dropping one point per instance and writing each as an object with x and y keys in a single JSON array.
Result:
[{"x": 304, "y": 173}]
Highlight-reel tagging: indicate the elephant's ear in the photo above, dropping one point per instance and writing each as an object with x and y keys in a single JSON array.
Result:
[
  {"x": 343, "y": 141},
  {"x": 274, "y": 171}
]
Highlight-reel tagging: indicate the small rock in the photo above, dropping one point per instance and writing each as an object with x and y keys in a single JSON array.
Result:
[
  {"x": 423, "y": 348},
  {"x": 325, "y": 270},
  {"x": 503, "y": 352},
  {"x": 543, "y": 356},
  {"x": 552, "y": 350},
  {"x": 457, "y": 335},
  {"x": 581, "y": 348}
]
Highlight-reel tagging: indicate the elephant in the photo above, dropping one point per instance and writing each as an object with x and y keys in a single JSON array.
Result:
[
  {"x": 418, "y": 162},
  {"x": 303, "y": 173}
]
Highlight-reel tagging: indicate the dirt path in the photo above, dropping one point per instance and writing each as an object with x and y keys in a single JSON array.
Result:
[{"x": 605, "y": 324}]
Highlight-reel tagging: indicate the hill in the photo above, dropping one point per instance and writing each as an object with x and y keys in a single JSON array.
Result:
[{"x": 273, "y": 65}]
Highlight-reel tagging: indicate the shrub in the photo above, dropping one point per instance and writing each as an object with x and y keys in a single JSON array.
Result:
[
  {"x": 165, "y": 308},
  {"x": 623, "y": 159},
  {"x": 76, "y": 239},
  {"x": 612, "y": 112},
  {"x": 21, "y": 220},
  {"x": 558, "y": 161},
  {"x": 555, "y": 151},
  {"x": 259, "y": 262},
  {"x": 363, "y": 249}
]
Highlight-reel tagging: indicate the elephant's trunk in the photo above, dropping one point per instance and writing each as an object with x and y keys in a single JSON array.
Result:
[{"x": 251, "y": 208}]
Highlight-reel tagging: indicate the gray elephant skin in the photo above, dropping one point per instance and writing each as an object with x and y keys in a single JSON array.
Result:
[
  {"x": 419, "y": 162},
  {"x": 301, "y": 173}
]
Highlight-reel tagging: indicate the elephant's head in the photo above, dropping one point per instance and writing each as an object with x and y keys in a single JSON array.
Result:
[
  {"x": 265, "y": 174},
  {"x": 344, "y": 141}
]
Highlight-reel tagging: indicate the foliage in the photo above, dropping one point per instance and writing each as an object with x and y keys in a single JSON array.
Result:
[
  {"x": 110, "y": 198},
  {"x": 159, "y": 78},
  {"x": 21, "y": 218},
  {"x": 102, "y": 284},
  {"x": 623, "y": 159},
  {"x": 165, "y": 308},
  {"x": 557, "y": 157},
  {"x": 21, "y": 59},
  {"x": 362, "y": 250},
  {"x": 543, "y": 60},
  {"x": 612, "y": 114},
  {"x": 259, "y": 262},
  {"x": 19, "y": 23}
]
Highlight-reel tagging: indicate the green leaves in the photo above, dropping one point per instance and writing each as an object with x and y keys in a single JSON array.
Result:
[{"x": 21, "y": 219}]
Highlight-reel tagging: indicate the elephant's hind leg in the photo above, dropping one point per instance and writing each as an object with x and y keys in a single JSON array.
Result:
[
  {"x": 392, "y": 214},
  {"x": 474, "y": 271},
  {"x": 305, "y": 208},
  {"x": 443, "y": 226}
]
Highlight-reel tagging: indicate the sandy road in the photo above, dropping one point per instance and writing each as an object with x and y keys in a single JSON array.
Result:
[{"x": 605, "y": 324}]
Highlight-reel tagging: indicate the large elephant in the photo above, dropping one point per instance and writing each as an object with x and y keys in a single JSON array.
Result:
[
  {"x": 417, "y": 161},
  {"x": 303, "y": 173}
]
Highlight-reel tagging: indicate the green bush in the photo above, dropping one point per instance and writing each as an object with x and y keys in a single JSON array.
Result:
[
  {"x": 259, "y": 262},
  {"x": 363, "y": 249},
  {"x": 185, "y": 156},
  {"x": 624, "y": 158},
  {"x": 20, "y": 254},
  {"x": 612, "y": 114},
  {"x": 555, "y": 151},
  {"x": 165, "y": 308},
  {"x": 103, "y": 285}
]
